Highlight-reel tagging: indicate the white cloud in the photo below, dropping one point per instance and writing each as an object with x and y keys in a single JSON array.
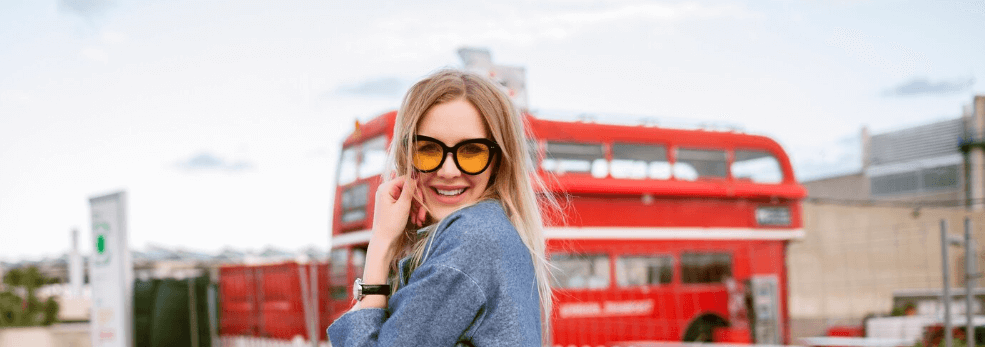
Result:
[
  {"x": 897, "y": 60},
  {"x": 95, "y": 54},
  {"x": 113, "y": 37},
  {"x": 649, "y": 11},
  {"x": 408, "y": 33},
  {"x": 10, "y": 97}
]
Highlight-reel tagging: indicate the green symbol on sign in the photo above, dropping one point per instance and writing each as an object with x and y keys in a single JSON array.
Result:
[{"x": 101, "y": 244}]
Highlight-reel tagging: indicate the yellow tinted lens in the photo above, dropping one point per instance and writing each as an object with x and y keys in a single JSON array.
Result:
[
  {"x": 473, "y": 157},
  {"x": 427, "y": 155}
]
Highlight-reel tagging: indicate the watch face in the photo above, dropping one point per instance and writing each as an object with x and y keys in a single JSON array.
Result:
[{"x": 357, "y": 288}]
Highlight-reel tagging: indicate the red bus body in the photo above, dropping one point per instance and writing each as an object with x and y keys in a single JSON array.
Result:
[
  {"x": 667, "y": 258},
  {"x": 267, "y": 300}
]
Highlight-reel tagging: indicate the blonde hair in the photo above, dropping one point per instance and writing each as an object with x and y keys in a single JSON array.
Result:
[{"x": 513, "y": 181}]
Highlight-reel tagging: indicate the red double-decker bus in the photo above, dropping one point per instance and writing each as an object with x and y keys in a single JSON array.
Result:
[{"x": 667, "y": 235}]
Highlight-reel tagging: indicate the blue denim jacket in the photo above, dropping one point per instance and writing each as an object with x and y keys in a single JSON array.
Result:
[{"x": 475, "y": 286}]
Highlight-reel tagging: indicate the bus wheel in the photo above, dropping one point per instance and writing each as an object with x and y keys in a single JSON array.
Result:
[{"x": 702, "y": 328}]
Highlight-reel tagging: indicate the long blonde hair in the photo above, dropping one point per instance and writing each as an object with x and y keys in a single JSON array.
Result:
[{"x": 513, "y": 181}]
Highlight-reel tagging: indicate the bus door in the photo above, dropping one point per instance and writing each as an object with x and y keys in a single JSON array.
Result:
[
  {"x": 704, "y": 295},
  {"x": 340, "y": 278},
  {"x": 764, "y": 309}
]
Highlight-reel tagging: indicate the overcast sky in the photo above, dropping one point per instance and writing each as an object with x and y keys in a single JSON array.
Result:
[{"x": 222, "y": 119}]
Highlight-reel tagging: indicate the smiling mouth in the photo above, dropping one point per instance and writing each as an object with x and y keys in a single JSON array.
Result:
[{"x": 453, "y": 192}]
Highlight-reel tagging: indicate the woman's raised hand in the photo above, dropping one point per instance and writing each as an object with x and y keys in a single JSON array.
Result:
[{"x": 393, "y": 207}]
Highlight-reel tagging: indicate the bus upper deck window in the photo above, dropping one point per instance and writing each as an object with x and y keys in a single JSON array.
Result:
[
  {"x": 564, "y": 157},
  {"x": 348, "y": 165},
  {"x": 756, "y": 166},
  {"x": 374, "y": 157},
  {"x": 694, "y": 164},
  {"x": 580, "y": 271},
  {"x": 639, "y": 161}
]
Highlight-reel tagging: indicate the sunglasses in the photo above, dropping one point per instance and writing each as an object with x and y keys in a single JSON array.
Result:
[{"x": 471, "y": 156}]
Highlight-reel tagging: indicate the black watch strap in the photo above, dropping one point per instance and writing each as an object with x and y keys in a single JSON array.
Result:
[
  {"x": 359, "y": 290},
  {"x": 372, "y": 289},
  {"x": 376, "y": 289}
]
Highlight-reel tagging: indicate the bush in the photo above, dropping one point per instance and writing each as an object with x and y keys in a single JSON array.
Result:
[{"x": 18, "y": 304}]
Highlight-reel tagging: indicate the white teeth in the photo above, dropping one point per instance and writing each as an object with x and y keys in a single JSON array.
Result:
[{"x": 450, "y": 192}]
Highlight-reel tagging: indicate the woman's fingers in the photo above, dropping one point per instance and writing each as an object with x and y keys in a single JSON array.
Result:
[
  {"x": 396, "y": 186},
  {"x": 408, "y": 186},
  {"x": 393, "y": 208}
]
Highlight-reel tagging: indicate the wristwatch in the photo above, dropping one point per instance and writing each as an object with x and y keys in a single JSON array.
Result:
[{"x": 359, "y": 290}]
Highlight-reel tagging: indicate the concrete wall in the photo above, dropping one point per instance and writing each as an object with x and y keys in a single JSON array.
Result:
[
  {"x": 850, "y": 187},
  {"x": 58, "y": 335},
  {"x": 853, "y": 257},
  {"x": 857, "y": 188}
]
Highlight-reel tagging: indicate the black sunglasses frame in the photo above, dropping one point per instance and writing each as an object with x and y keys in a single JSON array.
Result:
[{"x": 493, "y": 149}]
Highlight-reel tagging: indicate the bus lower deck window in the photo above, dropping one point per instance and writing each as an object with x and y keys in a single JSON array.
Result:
[
  {"x": 644, "y": 270},
  {"x": 580, "y": 271},
  {"x": 705, "y": 267}
]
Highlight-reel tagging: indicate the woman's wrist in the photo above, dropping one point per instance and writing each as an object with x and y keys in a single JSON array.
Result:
[{"x": 379, "y": 255}]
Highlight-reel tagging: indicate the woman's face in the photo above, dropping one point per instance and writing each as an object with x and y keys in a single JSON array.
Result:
[{"x": 447, "y": 188}]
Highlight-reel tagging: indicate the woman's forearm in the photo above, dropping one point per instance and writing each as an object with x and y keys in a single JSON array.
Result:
[{"x": 377, "y": 270}]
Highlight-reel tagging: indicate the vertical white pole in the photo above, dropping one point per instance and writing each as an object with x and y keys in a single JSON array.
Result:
[
  {"x": 947, "y": 286},
  {"x": 75, "y": 266},
  {"x": 969, "y": 286}
]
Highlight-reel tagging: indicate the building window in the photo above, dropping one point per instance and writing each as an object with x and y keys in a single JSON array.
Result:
[
  {"x": 940, "y": 177},
  {"x": 924, "y": 180},
  {"x": 906, "y": 182}
]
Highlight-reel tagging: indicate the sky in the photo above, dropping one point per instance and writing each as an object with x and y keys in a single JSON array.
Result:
[{"x": 222, "y": 120}]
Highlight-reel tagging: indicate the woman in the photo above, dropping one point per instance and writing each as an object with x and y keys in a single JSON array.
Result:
[{"x": 476, "y": 273}]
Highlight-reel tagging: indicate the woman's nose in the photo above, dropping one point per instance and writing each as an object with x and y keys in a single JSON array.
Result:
[{"x": 448, "y": 168}]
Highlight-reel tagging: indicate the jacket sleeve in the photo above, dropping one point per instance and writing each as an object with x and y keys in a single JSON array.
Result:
[{"x": 434, "y": 308}]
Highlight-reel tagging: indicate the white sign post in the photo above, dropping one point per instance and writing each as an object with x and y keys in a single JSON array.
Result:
[{"x": 110, "y": 273}]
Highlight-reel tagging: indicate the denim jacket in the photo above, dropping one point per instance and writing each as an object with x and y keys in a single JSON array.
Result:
[{"x": 475, "y": 286}]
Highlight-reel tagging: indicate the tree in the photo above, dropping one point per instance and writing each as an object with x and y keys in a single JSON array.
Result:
[{"x": 18, "y": 304}]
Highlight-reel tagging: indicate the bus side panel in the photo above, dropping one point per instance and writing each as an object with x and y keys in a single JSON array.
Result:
[
  {"x": 283, "y": 310},
  {"x": 681, "y": 213},
  {"x": 661, "y": 311},
  {"x": 237, "y": 301}
]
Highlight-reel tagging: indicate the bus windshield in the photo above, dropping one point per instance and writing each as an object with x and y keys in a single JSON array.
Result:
[
  {"x": 362, "y": 160},
  {"x": 757, "y": 167}
]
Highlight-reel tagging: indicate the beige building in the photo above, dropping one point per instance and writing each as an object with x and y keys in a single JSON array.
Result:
[
  {"x": 853, "y": 259},
  {"x": 873, "y": 236}
]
